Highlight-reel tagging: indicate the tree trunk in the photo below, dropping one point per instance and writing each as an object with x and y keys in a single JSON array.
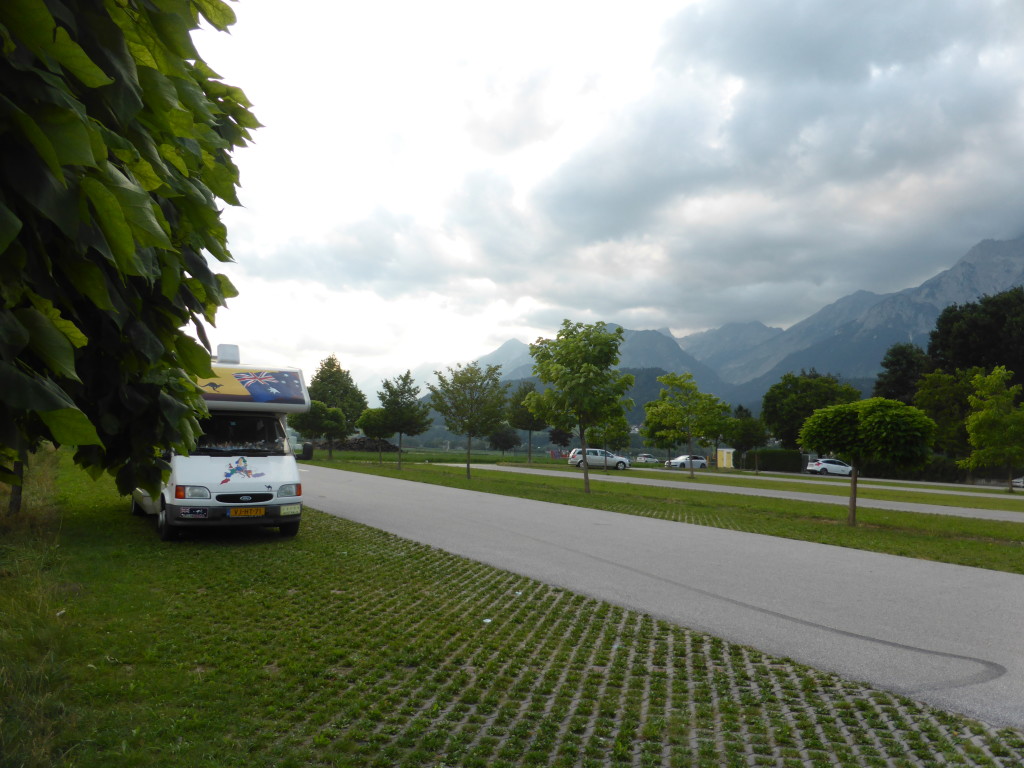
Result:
[
  {"x": 586, "y": 464},
  {"x": 399, "y": 450},
  {"x": 851, "y": 518},
  {"x": 529, "y": 446},
  {"x": 14, "y": 503},
  {"x": 469, "y": 450}
]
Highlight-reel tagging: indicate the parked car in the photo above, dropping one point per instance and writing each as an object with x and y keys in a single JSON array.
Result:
[
  {"x": 1018, "y": 482},
  {"x": 598, "y": 458},
  {"x": 645, "y": 458},
  {"x": 829, "y": 467},
  {"x": 685, "y": 461}
]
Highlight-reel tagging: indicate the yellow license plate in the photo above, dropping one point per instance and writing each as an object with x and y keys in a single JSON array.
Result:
[{"x": 248, "y": 512}]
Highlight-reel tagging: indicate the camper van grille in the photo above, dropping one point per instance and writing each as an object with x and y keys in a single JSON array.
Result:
[{"x": 244, "y": 498}]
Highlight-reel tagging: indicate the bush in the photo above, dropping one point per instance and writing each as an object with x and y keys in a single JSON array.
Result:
[{"x": 773, "y": 460}]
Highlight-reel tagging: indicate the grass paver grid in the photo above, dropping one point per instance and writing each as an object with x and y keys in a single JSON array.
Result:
[
  {"x": 347, "y": 646},
  {"x": 559, "y": 679}
]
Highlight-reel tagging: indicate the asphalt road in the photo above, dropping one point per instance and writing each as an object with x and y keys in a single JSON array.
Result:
[{"x": 947, "y": 635}]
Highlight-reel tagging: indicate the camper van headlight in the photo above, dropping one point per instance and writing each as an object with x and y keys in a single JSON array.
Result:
[
  {"x": 290, "y": 489},
  {"x": 191, "y": 492}
]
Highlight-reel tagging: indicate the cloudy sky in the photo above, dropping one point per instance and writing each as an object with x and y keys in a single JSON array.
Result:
[{"x": 436, "y": 178}]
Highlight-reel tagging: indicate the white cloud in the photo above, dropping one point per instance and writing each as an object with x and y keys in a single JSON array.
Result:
[{"x": 434, "y": 179}]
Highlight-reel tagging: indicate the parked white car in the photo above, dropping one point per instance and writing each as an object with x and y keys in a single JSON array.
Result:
[
  {"x": 645, "y": 458},
  {"x": 685, "y": 461},
  {"x": 829, "y": 467},
  {"x": 598, "y": 459}
]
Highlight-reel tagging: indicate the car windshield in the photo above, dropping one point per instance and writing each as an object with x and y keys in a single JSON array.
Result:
[{"x": 250, "y": 433}]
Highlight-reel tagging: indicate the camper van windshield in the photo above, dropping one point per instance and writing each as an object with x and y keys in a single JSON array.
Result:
[{"x": 250, "y": 433}]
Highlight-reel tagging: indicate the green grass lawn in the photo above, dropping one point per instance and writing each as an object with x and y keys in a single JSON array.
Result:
[
  {"x": 991, "y": 544},
  {"x": 347, "y": 646}
]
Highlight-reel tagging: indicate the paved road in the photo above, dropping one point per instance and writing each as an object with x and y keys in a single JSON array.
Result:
[{"x": 948, "y": 635}]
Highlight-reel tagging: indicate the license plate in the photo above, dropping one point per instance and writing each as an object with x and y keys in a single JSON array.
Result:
[{"x": 248, "y": 512}]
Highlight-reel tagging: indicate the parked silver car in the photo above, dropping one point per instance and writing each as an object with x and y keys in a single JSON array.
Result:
[
  {"x": 685, "y": 461},
  {"x": 598, "y": 459}
]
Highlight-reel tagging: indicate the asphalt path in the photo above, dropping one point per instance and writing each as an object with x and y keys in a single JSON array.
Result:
[{"x": 944, "y": 634}]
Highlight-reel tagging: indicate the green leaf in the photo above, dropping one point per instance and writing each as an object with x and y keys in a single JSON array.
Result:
[
  {"x": 32, "y": 23},
  {"x": 76, "y": 61},
  {"x": 65, "y": 326},
  {"x": 13, "y": 335},
  {"x": 194, "y": 357},
  {"x": 35, "y": 135},
  {"x": 70, "y": 136},
  {"x": 31, "y": 393},
  {"x": 113, "y": 224},
  {"x": 221, "y": 179},
  {"x": 144, "y": 174},
  {"x": 10, "y": 226},
  {"x": 138, "y": 209},
  {"x": 219, "y": 14},
  {"x": 69, "y": 426},
  {"x": 172, "y": 155},
  {"x": 48, "y": 342},
  {"x": 91, "y": 281}
]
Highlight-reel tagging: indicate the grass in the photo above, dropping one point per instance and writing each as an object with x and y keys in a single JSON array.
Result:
[
  {"x": 991, "y": 544},
  {"x": 347, "y": 646}
]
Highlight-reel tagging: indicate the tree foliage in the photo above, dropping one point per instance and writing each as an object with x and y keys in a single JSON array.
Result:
[
  {"x": 322, "y": 421},
  {"x": 874, "y": 429},
  {"x": 116, "y": 151},
  {"x": 795, "y": 397},
  {"x": 504, "y": 437},
  {"x": 399, "y": 397},
  {"x": 995, "y": 426},
  {"x": 612, "y": 435},
  {"x": 902, "y": 368},
  {"x": 520, "y": 417},
  {"x": 944, "y": 397},
  {"x": 584, "y": 388},
  {"x": 745, "y": 431},
  {"x": 471, "y": 400},
  {"x": 683, "y": 414},
  {"x": 985, "y": 334},
  {"x": 333, "y": 386},
  {"x": 560, "y": 437},
  {"x": 376, "y": 424}
]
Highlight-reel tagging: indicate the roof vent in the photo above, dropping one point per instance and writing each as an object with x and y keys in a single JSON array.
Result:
[{"x": 228, "y": 353}]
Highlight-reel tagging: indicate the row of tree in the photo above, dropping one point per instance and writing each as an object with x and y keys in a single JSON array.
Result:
[{"x": 971, "y": 413}]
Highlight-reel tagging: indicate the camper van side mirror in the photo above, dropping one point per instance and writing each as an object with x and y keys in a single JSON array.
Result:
[{"x": 307, "y": 452}]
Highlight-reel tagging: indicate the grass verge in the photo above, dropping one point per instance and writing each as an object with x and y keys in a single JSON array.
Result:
[{"x": 347, "y": 646}]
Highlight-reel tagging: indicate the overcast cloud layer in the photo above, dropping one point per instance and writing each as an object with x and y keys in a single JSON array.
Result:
[{"x": 432, "y": 181}]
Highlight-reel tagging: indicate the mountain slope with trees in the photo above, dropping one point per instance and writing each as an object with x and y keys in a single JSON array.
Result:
[{"x": 849, "y": 338}]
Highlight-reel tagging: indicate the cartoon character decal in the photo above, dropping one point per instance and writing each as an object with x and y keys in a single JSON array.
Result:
[{"x": 240, "y": 468}]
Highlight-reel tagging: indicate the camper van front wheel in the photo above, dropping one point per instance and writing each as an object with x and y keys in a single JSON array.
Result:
[{"x": 165, "y": 529}]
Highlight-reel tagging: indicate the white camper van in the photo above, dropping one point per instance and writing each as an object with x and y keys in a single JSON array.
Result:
[{"x": 243, "y": 470}]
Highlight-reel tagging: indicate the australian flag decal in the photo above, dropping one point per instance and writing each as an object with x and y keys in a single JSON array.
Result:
[{"x": 271, "y": 386}]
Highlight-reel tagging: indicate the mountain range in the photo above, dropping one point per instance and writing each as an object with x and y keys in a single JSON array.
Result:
[{"x": 738, "y": 362}]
